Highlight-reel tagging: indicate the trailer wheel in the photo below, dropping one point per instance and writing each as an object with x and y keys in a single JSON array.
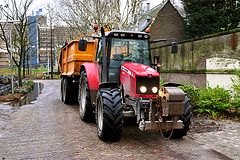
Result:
[
  {"x": 109, "y": 114},
  {"x": 179, "y": 133},
  {"x": 62, "y": 89},
  {"x": 84, "y": 99},
  {"x": 66, "y": 91}
]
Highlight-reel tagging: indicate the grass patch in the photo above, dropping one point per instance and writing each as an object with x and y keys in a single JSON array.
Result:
[{"x": 36, "y": 74}]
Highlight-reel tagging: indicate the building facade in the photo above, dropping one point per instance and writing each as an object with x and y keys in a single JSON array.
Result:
[
  {"x": 4, "y": 59},
  {"x": 33, "y": 40},
  {"x": 45, "y": 40},
  {"x": 4, "y": 55},
  {"x": 167, "y": 24},
  {"x": 164, "y": 22},
  {"x": 42, "y": 41}
]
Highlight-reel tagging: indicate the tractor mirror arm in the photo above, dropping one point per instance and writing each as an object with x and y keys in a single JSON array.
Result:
[
  {"x": 174, "y": 44},
  {"x": 163, "y": 40}
]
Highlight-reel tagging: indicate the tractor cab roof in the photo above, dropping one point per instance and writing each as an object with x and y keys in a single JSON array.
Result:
[{"x": 127, "y": 34}]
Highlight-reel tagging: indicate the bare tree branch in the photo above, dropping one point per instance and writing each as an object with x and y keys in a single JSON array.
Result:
[
  {"x": 17, "y": 10},
  {"x": 82, "y": 14}
]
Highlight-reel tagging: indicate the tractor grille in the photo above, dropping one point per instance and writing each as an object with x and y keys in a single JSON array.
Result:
[{"x": 149, "y": 83}]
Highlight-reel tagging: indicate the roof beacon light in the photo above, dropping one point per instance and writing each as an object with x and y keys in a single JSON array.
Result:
[
  {"x": 122, "y": 35},
  {"x": 95, "y": 26},
  {"x": 147, "y": 30},
  {"x": 115, "y": 34}
]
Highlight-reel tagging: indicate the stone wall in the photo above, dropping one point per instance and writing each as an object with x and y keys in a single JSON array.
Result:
[
  {"x": 197, "y": 80},
  {"x": 194, "y": 54},
  {"x": 196, "y": 58}
]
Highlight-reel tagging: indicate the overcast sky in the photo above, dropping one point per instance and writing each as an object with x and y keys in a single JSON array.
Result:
[
  {"x": 42, "y": 4},
  {"x": 37, "y": 4}
]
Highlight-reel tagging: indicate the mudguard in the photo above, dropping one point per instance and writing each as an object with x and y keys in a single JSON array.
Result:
[
  {"x": 92, "y": 75},
  {"x": 171, "y": 85}
]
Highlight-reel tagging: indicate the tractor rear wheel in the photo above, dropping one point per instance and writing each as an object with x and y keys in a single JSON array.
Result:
[
  {"x": 84, "y": 99},
  {"x": 109, "y": 114},
  {"x": 179, "y": 133}
]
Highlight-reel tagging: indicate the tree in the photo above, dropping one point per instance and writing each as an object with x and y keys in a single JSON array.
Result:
[
  {"x": 81, "y": 15},
  {"x": 17, "y": 10},
  {"x": 210, "y": 16}
]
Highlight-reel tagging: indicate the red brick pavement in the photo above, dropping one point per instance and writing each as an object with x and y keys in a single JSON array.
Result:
[{"x": 49, "y": 129}]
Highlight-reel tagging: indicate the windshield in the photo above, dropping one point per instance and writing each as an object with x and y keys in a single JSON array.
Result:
[
  {"x": 130, "y": 50},
  {"x": 126, "y": 50}
]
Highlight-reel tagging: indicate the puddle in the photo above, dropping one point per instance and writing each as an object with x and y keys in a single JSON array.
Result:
[{"x": 30, "y": 97}]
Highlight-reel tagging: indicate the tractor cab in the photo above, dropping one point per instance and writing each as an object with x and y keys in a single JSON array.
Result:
[{"x": 123, "y": 47}]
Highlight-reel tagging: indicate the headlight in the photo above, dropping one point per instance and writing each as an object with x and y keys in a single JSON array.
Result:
[
  {"x": 143, "y": 89},
  {"x": 154, "y": 89}
]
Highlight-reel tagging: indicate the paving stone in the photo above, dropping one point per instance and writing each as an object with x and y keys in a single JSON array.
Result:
[{"x": 49, "y": 129}]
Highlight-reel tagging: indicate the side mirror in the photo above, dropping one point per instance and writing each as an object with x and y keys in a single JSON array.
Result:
[
  {"x": 82, "y": 45},
  {"x": 174, "y": 47}
]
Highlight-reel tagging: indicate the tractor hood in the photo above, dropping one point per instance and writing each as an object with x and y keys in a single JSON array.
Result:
[{"x": 137, "y": 69}]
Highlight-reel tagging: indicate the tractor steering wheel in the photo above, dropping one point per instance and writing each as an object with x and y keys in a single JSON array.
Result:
[
  {"x": 129, "y": 59},
  {"x": 126, "y": 54}
]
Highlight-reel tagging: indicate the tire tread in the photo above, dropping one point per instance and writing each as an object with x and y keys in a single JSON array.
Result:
[{"x": 112, "y": 114}]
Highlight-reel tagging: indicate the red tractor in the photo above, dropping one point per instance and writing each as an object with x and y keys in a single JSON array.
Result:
[{"x": 121, "y": 83}]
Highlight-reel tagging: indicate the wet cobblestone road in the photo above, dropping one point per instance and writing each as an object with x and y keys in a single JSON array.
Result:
[{"x": 49, "y": 129}]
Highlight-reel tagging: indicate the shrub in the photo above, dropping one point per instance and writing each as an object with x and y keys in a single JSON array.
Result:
[
  {"x": 26, "y": 88},
  {"x": 214, "y": 100},
  {"x": 29, "y": 83},
  {"x": 211, "y": 100},
  {"x": 192, "y": 93},
  {"x": 161, "y": 81},
  {"x": 236, "y": 89}
]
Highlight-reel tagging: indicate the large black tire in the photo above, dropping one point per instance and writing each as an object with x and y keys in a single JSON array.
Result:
[
  {"x": 62, "y": 89},
  {"x": 84, "y": 99},
  {"x": 67, "y": 96},
  {"x": 109, "y": 114},
  {"x": 186, "y": 119}
]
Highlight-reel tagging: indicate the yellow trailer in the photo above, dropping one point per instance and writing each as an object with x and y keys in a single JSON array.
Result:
[
  {"x": 69, "y": 66},
  {"x": 71, "y": 59}
]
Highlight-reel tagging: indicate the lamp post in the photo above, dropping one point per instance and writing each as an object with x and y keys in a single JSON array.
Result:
[{"x": 11, "y": 54}]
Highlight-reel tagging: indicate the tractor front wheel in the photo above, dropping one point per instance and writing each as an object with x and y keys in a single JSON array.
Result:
[{"x": 109, "y": 114}]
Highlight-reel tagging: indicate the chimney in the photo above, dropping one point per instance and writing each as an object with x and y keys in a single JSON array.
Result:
[{"x": 148, "y": 16}]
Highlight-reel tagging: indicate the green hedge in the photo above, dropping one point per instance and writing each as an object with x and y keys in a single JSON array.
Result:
[
  {"x": 26, "y": 88},
  {"x": 215, "y": 100}
]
